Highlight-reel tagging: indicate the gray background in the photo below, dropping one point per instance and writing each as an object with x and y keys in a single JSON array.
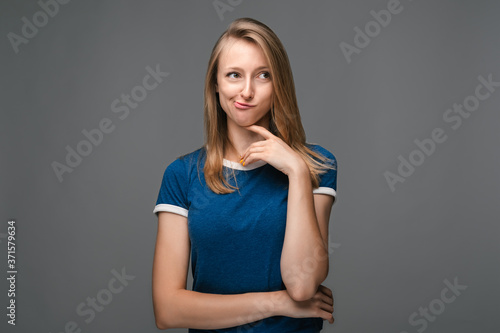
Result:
[{"x": 392, "y": 250}]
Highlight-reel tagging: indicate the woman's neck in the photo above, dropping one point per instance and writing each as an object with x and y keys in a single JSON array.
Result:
[{"x": 240, "y": 139}]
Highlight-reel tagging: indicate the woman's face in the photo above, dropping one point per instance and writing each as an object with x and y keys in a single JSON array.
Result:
[{"x": 244, "y": 84}]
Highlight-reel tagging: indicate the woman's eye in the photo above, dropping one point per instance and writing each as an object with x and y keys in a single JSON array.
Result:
[
  {"x": 232, "y": 75},
  {"x": 264, "y": 75}
]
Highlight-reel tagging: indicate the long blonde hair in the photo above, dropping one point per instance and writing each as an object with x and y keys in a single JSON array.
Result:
[{"x": 284, "y": 121}]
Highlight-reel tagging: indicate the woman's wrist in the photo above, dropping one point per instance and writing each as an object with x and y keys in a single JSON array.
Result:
[
  {"x": 278, "y": 303},
  {"x": 299, "y": 170}
]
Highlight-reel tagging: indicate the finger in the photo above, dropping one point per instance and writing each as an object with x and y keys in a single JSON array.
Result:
[
  {"x": 249, "y": 154},
  {"x": 252, "y": 157},
  {"x": 329, "y": 308},
  {"x": 327, "y": 296},
  {"x": 258, "y": 144},
  {"x": 260, "y": 130},
  {"x": 327, "y": 316},
  {"x": 327, "y": 299},
  {"x": 326, "y": 290}
]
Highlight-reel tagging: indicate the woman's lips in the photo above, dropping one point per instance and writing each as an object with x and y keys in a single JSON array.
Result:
[{"x": 243, "y": 106}]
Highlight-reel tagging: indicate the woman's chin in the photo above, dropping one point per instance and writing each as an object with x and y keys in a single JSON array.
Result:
[{"x": 245, "y": 122}]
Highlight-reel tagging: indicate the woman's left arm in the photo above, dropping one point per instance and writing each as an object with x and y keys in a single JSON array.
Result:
[{"x": 304, "y": 258}]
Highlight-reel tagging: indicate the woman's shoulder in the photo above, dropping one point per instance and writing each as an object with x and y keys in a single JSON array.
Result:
[
  {"x": 186, "y": 161},
  {"x": 193, "y": 155},
  {"x": 317, "y": 148}
]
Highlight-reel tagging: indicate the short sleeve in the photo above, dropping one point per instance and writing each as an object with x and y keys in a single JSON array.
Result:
[
  {"x": 172, "y": 196},
  {"x": 328, "y": 180}
]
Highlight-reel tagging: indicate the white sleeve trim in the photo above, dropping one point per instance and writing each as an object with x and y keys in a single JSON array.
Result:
[
  {"x": 170, "y": 208},
  {"x": 325, "y": 190}
]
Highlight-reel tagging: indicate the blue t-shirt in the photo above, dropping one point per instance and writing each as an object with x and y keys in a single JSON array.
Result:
[{"x": 237, "y": 238}]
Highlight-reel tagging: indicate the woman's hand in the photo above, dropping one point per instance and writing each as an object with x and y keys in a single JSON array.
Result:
[
  {"x": 274, "y": 151},
  {"x": 321, "y": 305}
]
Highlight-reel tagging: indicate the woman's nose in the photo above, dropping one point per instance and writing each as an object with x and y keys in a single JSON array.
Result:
[{"x": 247, "y": 92}]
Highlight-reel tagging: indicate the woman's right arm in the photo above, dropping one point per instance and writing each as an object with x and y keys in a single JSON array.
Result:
[{"x": 177, "y": 307}]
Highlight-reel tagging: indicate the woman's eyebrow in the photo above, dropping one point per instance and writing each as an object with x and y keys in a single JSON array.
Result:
[{"x": 240, "y": 69}]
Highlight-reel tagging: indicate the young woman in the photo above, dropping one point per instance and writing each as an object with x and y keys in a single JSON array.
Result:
[{"x": 251, "y": 206}]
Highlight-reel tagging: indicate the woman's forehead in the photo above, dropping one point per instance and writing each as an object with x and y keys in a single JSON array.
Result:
[{"x": 240, "y": 51}]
